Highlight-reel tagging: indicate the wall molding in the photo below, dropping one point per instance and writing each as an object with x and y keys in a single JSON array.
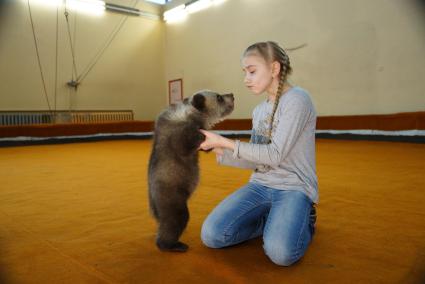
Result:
[
  {"x": 385, "y": 122},
  {"x": 379, "y": 124}
]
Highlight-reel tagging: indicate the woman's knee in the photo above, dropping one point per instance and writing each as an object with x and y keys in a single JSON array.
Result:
[
  {"x": 281, "y": 254},
  {"x": 210, "y": 236}
]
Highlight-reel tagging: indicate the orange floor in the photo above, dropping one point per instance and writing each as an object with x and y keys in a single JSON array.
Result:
[{"x": 77, "y": 213}]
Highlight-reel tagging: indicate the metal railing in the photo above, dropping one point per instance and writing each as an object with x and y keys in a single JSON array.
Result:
[{"x": 46, "y": 117}]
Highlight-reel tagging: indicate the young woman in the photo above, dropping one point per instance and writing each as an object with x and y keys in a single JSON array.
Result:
[{"x": 278, "y": 201}]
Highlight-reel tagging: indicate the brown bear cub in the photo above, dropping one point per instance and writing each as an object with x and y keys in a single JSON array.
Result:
[{"x": 173, "y": 172}]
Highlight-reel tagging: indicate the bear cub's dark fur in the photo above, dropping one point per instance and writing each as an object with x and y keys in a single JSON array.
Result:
[{"x": 173, "y": 171}]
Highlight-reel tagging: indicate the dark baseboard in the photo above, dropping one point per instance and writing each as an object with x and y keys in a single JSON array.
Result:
[
  {"x": 86, "y": 132},
  {"x": 55, "y": 140},
  {"x": 388, "y": 138},
  {"x": 70, "y": 139}
]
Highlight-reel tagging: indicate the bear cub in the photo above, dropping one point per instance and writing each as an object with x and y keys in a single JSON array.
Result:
[{"x": 173, "y": 171}]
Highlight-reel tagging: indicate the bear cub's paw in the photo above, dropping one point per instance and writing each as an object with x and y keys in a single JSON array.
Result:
[{"x": 174, "y": 247}]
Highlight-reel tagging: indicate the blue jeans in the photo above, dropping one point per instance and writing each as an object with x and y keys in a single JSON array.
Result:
[{"x": 284, "y": 218}]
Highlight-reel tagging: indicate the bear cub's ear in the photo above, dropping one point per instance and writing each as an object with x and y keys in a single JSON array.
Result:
[{"x": 198, "y": 101}]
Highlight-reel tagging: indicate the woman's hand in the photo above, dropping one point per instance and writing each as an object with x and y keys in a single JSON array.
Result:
[
  {"x": 213, "y": 140},
  {"x": 218, "y": 151}
]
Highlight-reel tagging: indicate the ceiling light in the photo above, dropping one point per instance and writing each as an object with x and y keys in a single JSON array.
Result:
[
  {"x": 198, "y": 5},
  {"x": 93, "y": 7},
  {"x": 130, "y": 11},
  {"x": 180, "y": 12},
  {"x": 52, "y": 3},
  {"x": 176, "y": 14}
]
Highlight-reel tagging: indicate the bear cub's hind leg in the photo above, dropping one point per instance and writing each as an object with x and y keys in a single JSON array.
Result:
[{"x": 172, "y": 223}]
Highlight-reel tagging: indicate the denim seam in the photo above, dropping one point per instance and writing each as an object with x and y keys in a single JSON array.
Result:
[
  {"x": 297, "y": 253},
  {"x": 237, "y": 218}
]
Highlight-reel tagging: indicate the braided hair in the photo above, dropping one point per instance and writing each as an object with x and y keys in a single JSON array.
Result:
[{"x": 271, "y": 52}]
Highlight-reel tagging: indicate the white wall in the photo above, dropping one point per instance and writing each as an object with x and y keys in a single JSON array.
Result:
[
  {"x": 362, "y": 57},
  {"x": 129, "y": 75}
]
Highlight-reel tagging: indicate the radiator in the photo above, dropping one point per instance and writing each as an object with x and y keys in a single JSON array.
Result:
[{"x": 46, "y": 117}]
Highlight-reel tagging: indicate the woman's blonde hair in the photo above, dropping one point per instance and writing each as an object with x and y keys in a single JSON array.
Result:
[{"x": 270, "y": 51}]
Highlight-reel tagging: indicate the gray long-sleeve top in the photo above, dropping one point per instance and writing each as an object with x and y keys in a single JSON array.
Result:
[{"x": 290, "y": 159}]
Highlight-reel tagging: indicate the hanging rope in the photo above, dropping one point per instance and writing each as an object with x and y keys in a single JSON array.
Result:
[
  {"x": 74, "y": 66},
  {"x": 102, "y": 50},
  {"x": 75, "y": 41},
  {"x": 74, "y": 90},
  {"x": 76, "y": 79},
  {"x": 56, "y": 61},
  {"x": 38, "y": 58},
  {"x": 79, "y": 78}
]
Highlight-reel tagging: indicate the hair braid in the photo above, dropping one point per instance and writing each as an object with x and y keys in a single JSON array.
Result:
[
  {"x": 276, "y": 103},
  {"x": 279, "y": 55},
  {"x": 271, "y": 52}
]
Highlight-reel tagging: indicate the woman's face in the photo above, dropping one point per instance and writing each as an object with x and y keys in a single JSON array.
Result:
[{"x": 258, "y": 74}]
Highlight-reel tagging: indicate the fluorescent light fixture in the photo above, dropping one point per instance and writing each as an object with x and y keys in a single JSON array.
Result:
[
  {"x": 180, "y": 12},
  {"x": 131, "y": 11},
  {"x": 93, "y": 7},
  {"x": 51, "y": 3},
  {"x": 198, "y": 5},
  {"x": 122, "y": 9},
  {"x": 176, "y": 14}
]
